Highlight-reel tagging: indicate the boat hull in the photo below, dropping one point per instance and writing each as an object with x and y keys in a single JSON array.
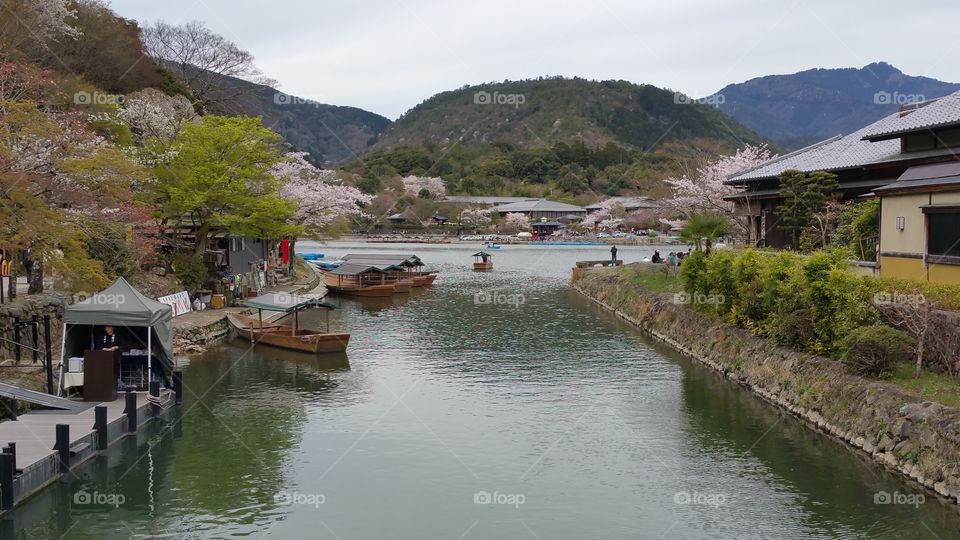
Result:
[
  {"x": 424, "y": 279},
  {"x": 281, "y": 335},
  {"x": 354, "y": 288},
  {"x": 482, "y": 266}
]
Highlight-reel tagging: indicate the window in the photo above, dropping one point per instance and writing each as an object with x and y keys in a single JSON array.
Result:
[{"x": 943, "y": 236}]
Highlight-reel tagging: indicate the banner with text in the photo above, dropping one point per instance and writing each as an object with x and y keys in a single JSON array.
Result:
[{"x": 180, "y": 302}]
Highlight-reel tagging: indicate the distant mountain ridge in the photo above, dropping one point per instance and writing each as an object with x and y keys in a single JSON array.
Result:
[
  {"x": 331, "y": 134},
  {"x": 802, "y": 108},
  {"x": 542, "y": 112}
]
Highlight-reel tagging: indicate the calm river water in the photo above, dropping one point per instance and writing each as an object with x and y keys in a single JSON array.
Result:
[{"x": 494, "y": 406}]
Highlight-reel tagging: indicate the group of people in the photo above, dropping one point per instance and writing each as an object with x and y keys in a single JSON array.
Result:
[{"x": 672, "y": 258}]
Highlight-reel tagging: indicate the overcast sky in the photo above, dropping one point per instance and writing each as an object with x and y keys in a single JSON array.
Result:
[{"x": 388, "y": 55}]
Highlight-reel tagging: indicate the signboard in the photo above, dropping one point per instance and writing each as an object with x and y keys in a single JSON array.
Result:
[{"x": 180, "y": 302}]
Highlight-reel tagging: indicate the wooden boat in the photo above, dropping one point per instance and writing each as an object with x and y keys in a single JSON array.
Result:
[
  {"x": 482, "y": 261},
  {"x": 356, "y": 279},
  {"x": 425, "y": 278},
  {"x": 397, "y": 269},
  {"x": 288, "y": 334}
]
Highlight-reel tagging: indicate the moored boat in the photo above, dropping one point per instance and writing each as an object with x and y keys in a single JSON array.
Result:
[
  {"x": 355, "y": 279},
  {"x": 288, "y": 334},
  {"x": 400, "y": 268}
]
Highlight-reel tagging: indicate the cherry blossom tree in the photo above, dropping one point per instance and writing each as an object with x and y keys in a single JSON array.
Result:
[
  {"x": 475, "y": 217},
  {"x": 706, "y": 190},
  {"x": 321, "y": 196},
  {"x": 151, "y": 114},
  {"x": 416, "y": 185},
  {"x": 40, "y": 21},
  {"x": 516, "y": 221}
]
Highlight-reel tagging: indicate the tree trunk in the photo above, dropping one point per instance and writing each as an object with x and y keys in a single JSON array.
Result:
[
  {"x": 200, "y": 241},
  {"x": 36, "y": 278},
  {"x": 291, "y": 261},
  {"x": 707, "y": 245}
]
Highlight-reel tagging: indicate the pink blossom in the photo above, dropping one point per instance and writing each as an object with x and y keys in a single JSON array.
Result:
[
  {"x": 321, "y": 195},
  {"x": 413, "y": 185}
]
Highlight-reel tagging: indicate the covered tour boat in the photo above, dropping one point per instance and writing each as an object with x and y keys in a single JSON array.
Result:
[
  {"x": 359, "y": 279},
  {"x": 286, "y": 332}
]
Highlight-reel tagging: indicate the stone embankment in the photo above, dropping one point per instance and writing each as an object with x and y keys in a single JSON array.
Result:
[{"x": 905, "y": 433}]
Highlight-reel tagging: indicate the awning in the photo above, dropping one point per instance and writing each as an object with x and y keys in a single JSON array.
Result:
[
  {"x": 284, "y": 302},
  {"x": 481, "y": 254}
]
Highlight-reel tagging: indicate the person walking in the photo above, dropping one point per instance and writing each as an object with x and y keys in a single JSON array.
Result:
[{"x": 613, "y": 255}]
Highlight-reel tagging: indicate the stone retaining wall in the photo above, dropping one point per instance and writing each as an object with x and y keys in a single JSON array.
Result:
[{"x": 919, "y": 439}]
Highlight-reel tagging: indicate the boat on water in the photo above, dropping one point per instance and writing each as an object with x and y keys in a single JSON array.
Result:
[
  {"x": 482, "y": 261},
  {"x": 360, "y": 279},
  {"x": 402, "y": 268},
  {"x": 491, "y": 245},
  {"x": 287, "y": 333},
  {"x": 326, "y": 264}
]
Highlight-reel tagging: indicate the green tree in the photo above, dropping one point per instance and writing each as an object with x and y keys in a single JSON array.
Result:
[
  {"x": 703, "y": 229},
  {"x": 803, "y": 196},
  {"x": 219, "y": 180}
]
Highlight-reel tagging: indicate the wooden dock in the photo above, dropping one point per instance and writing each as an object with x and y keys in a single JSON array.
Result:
[{"x": 41, "y": 446}]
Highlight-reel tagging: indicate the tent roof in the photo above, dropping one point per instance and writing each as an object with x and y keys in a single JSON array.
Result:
[{"x": 120, "y": 304}]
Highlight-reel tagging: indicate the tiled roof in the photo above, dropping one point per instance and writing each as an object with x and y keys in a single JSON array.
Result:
[
  {"x": 539, "y": 205},
  {"x": 919, "y": 176},
  {"x": 626, "y": 202},
  {"x": 941, "y": 112},
  {"x": 832, "y": 154}
]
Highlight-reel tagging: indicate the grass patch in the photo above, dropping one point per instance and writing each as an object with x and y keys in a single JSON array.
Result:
[
  {"x": 657, "y": 278},
  {"x": 938, "y": 387}
]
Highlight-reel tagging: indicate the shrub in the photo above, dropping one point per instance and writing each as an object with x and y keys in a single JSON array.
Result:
[
  {"x": 692, "y": 270},
  {"x": 111, "y": 248},
  {"x": 191, "y": 271},
  {"x": 876, "y": 349},
  {"x": 793, "y": 328}
]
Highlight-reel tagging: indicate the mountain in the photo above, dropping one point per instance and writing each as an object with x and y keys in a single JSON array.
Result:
[
  {"x": 541, "y": 112},
  {"x": 803, "y": 108},
  {"x": 331, "y": 134}
]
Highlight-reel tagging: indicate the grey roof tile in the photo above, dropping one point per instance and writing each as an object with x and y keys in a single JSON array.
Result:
[{"x": 940, "y": 112}]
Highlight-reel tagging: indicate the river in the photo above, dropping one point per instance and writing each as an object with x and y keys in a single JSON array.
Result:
[{"x": 491, "y": 405}]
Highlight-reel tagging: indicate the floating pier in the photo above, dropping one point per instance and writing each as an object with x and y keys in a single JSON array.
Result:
[{"x": 43, "y": 445}]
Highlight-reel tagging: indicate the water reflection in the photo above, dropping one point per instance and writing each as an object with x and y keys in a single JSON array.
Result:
[{"x": 446, "y": 394}]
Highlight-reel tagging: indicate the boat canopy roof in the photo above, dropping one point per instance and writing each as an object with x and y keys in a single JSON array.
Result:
[
  {"x": 481, "y": 254},
  {"x": 384, "y": 258},
  {"x": 285, "y": 302},
  {"x": 358, "y": 267}
]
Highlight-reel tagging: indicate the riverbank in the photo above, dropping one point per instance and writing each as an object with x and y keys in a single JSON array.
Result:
[
  {"x": 194, "y": 331},
  {"x": 917, "y": 438}
]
